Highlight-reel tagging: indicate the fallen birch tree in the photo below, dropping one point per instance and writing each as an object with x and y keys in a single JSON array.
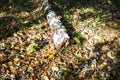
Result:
[{"x": 60, "y": 37}]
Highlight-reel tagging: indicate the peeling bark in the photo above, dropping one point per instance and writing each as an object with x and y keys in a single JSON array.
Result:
[{"x": 60, "y": 37}]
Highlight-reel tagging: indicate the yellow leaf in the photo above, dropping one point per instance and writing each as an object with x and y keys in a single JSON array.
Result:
[
  {"x": 36, "y": 62},
  {"x": 102, "y": 65},
  {"x": 85, "y": 57},
  {"x": 16, "y": 59},
  {"x": 109, "y": 68},
  {"x": 115, "y": 45},
  {"x": 103, "y": 24},
  {"x": 52, "y": 51},
  {"x": 2, "y": 57},
  {"x": 10, "y": 63},
  {"x": 115, "y": 24},
  {"x": 27, "y": 54},
  {"x": 44, "y": 73},
  {"x": 14, "y": 71},
  {"x": 32, "y": 74},
  {"x": 110, "y": 55},
  {"x": 54, "y": 64},
  {"x": 51, "y": 57},
  {"x": 100, "y": 40}
]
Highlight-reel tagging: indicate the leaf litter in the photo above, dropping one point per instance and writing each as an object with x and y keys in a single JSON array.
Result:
[{"x": 27, "y": 50}]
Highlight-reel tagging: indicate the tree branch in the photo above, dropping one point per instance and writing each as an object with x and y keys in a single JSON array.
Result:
[{"x": 60, "y": 37}]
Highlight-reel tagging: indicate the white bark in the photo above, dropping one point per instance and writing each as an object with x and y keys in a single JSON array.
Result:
[{"x": 55, "y": 24}]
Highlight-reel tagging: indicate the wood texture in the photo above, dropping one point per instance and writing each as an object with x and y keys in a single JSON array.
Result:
[{"x": 60, "y": 37}]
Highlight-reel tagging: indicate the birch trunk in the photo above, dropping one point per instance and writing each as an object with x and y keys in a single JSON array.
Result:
[{"x": 60, "y": 37}]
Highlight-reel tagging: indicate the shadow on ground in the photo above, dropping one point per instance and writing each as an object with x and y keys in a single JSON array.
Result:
[
  {"x": 13, "y": 6},
  {"x": 11, "y": 21},
  {"x": 110, "y": 9},
  {"x": 8, "y": 25}
]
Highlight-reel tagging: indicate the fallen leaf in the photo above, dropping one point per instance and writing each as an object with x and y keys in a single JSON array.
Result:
[
  {"x": 30, "y": 69},
  {"x": 102, "y": 65},
  {"x": 54, "y": 68},
  {"x": 14, "y": 70},
  {"x": 36, "y": 62},
  {"x": 10, "y": 63},
  {"x": 16, "y": 59},
  {"x": 44, "y": 78},
  {"x": 110, "y": 55}
]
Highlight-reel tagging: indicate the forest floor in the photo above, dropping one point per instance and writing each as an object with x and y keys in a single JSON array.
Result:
[{"x": 27, "y": 51}]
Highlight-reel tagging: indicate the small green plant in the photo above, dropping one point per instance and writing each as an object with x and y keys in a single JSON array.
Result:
[
  {"x": 33, "y": 47},
  {"x": 79, "y": 40},
  {"x": 78, "y": 55},
  {"x": 25, "y": 22},
  {"x": 40, "y": 24},
  {"x": 62, "y": 67}
]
